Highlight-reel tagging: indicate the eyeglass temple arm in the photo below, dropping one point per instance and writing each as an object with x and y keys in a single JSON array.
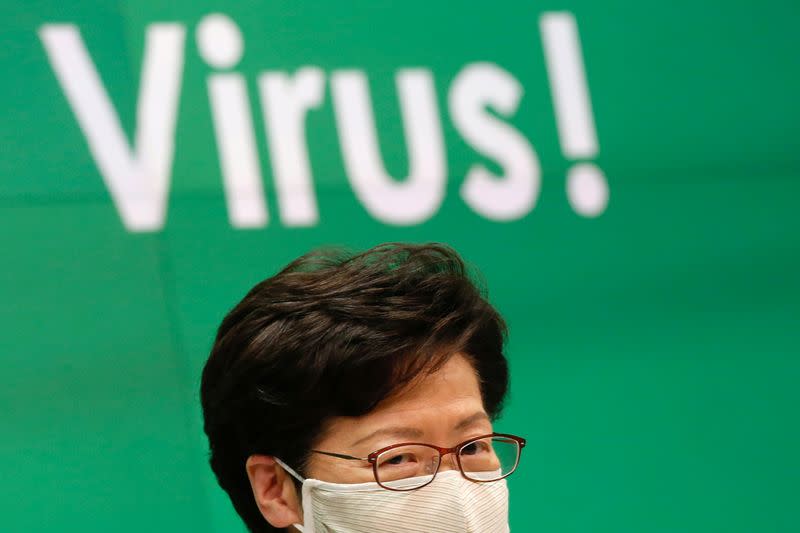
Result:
[{"x": 341, "y": 456}]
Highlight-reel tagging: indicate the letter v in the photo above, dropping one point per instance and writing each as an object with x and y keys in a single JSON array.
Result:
[{"x": 138, "y": 179}]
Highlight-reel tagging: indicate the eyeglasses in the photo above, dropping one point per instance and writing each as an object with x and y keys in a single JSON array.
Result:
[{"x": 412, "y": 465}]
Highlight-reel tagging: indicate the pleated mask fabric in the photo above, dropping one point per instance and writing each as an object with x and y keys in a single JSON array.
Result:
[{"x": 450, "y": 504}]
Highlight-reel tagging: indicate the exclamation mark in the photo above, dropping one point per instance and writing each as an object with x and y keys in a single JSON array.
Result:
[{"x": 587, "y": 189}]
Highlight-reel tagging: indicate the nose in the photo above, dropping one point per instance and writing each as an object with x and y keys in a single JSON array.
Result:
[{"x": 448, "y": 462}]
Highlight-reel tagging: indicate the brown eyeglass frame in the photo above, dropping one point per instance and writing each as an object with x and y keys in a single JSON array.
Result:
[{"x": 372, "y": 458}]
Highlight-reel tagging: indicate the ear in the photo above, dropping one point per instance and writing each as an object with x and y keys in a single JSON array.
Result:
[{"x": 274, "y": 491}]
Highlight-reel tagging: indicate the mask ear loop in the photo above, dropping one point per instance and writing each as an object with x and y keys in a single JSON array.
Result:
[
  {"x": 290, "y": 470},
  {"x": 295, "y": 475}
]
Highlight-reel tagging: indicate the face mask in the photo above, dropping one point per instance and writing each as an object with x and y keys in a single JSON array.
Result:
[{"x": 450, "y": 504}]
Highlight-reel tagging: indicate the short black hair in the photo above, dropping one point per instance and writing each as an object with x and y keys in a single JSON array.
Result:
[{"x": 333, "y": 334}]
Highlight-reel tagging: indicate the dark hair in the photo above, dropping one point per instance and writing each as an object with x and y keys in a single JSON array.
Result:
[{"x": 334, "y": 334}]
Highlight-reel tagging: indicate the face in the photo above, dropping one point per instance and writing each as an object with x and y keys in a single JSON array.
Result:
[{"x": 443, "y": 409}]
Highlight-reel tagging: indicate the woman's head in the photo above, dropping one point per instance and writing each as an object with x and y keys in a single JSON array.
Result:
[{"x": 345, "y": 352}]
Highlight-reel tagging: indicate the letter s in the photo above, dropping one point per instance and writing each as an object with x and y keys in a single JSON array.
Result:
[{"x": 512, "y": 195}]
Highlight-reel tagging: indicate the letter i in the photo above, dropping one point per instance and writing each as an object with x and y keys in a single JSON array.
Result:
[
  {"x": 220, "y": 43},
  {"x": 587, "y": 188}
]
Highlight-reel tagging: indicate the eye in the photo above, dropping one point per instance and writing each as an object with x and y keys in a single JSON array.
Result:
[
  {"x": 398, "y": 459},
  {"x": 475, "y": 448}
]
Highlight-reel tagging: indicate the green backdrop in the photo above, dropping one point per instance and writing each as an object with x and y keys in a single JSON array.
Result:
[{"x": 654, "y": 338}]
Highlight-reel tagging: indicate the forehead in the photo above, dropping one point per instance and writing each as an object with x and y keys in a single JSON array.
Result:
[
  {"x": 431, "y": 404},
  {"x": 455, "y": 381}
]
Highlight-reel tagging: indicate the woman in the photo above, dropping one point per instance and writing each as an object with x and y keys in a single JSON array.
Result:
[{"x": 354, "y": 393}]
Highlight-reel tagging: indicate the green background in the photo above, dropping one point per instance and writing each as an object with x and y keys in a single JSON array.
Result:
[{"x": 654, "y": 349}]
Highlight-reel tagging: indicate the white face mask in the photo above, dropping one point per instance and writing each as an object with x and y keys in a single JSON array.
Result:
[{"x": 450, "y": 504}]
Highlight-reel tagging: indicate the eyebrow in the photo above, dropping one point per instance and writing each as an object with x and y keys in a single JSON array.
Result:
[
  {"x": 479, "y": 416},
  {"x": 414, "y": 433},
  {"x": 400, "y": 432}
]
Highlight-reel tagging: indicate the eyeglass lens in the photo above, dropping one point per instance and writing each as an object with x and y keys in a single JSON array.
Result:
[{"x": 410, "y": 467}]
